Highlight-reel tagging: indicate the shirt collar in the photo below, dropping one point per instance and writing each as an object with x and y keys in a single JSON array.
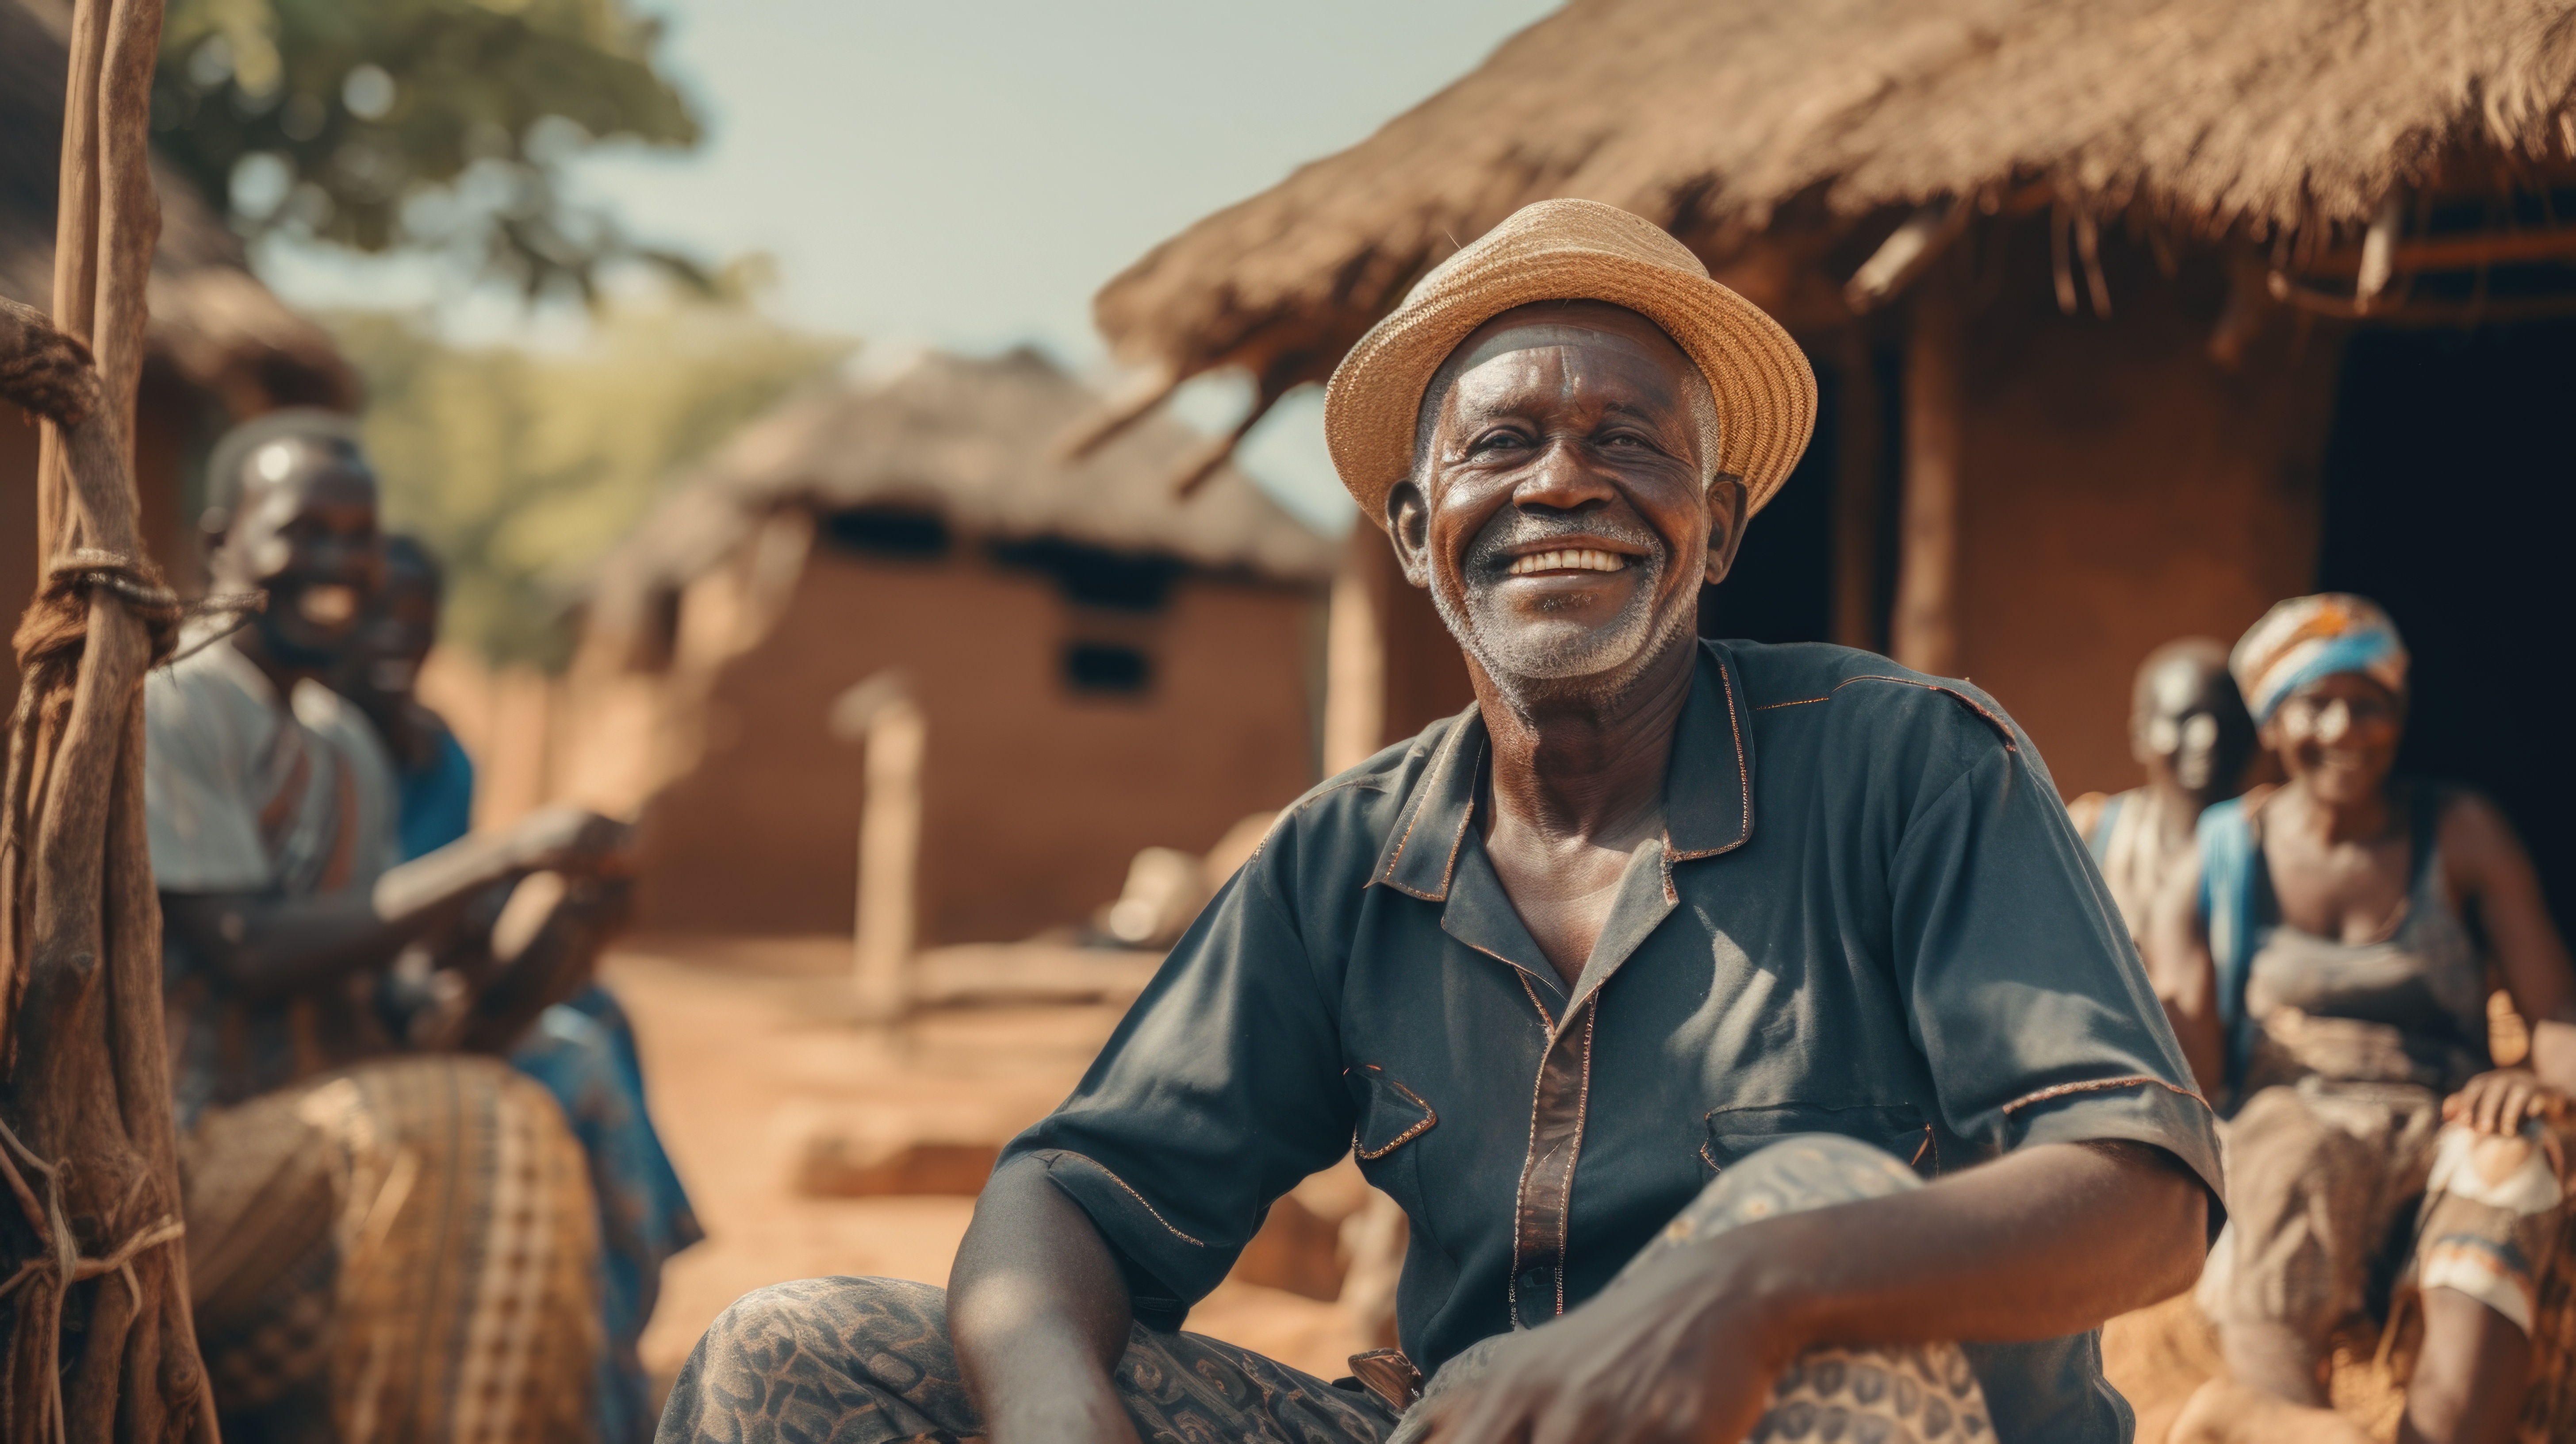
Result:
[{"x": 1708, "y": 788}]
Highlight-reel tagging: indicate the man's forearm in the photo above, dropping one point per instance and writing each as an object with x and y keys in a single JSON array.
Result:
[
  {"x": 2048, "y": 1241},
  {"x": 263, "y": 946},
  {"x": 1039, "y": 1314}
]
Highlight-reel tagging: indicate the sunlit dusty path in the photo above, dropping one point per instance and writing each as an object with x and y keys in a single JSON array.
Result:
[{"x": 748, "y": 1050}]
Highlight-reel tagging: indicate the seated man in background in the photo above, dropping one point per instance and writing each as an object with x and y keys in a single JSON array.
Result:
[
  {"x": 2323, "y": 947},
  {"x": 1652, "y": 986},
  {"x": 582, "y": 1048},
  {"x": 2188, "y": 729},
  {"x": 377, "y": 1247}
]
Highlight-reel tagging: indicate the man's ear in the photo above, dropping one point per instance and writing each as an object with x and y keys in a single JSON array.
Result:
[
  {"x": 1408, "y": 526},
  {"x": 1727, "y": 505}
]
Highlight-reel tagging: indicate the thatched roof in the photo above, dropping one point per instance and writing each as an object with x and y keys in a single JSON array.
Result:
[
  {"x": 216, "y": 325},
  {"x": 973, "y": 441},
  {"x": 1721, "y": 118}
]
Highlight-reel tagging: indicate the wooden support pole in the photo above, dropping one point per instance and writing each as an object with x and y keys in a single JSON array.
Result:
[
  {"x": 1355, "y": 656},
  {"x": 99, "y": 1339},
  {"x": 890, "y": 859},
  {"x": 881, "y": 716},
  {"x": 1925, "y": 630}
]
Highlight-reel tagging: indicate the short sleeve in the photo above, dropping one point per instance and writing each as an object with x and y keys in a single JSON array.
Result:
[
  {"x": 198, "y": 817},
  {"x": 2028, "y": 997},
  {"x": 1220, "y": 1090}
]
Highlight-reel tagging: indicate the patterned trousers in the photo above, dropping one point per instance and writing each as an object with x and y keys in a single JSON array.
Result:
[{"x": 866, "y": 1361}]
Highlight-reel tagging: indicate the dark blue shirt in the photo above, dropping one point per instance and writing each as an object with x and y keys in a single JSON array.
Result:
[{"x": 1867, "y": 915}]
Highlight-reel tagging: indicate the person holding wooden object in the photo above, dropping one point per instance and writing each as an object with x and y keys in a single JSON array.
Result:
[
  {"x": 2188, "y": 729},
  {"x": 2323, "y": 951},
  {"x": 399, "y": 1247},
  {"x": 1740, "y": 1027}
]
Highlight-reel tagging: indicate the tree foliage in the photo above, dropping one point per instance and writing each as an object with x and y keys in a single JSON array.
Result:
[
  {"x": 521, "y": 467},
  {"x": 433, "y": 124}
]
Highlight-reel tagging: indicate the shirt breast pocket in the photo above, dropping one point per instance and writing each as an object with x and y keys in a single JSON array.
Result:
[
  {"x": 1391, "y": 1118},
  {"x": 1391, "y": 1115},
  {"x": 1898, "y": 1129}
]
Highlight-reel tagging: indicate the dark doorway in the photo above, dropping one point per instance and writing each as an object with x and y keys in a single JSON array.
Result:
[
  {"x": 2450, "y": 489},
  {"x": 1782, "y": 587}
]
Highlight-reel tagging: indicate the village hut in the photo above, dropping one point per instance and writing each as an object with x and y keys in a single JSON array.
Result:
[
  {"x": 1084, "y": 665},
  {"x": 222, "y": 347},
  {"x": 2130, "y": 317}
]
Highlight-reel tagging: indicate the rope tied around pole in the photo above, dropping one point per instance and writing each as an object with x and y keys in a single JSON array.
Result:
[
  {"x": 49, "y": 642},
  {"x": 57, "y": 623}
]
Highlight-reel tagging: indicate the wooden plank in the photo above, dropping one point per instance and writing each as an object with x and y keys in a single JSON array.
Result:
[{"x": 1924, "y": 634}]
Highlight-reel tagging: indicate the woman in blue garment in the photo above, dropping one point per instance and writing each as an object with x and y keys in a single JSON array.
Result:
[{"x": 581, "y": 1048}]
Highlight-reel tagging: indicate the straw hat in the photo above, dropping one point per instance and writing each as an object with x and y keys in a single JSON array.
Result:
[{"x": 1569, "y": 250}]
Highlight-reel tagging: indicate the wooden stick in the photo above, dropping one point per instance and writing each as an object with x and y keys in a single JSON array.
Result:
[
  {"x": 1925, "y": 631},
  {"x": 79, "y": 918}
]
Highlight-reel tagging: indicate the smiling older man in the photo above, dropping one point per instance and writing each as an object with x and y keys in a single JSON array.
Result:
[{"x": 1652, "y": 986}]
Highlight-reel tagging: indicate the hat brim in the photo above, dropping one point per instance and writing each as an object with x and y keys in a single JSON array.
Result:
[{"x": 1764, "y": 389}]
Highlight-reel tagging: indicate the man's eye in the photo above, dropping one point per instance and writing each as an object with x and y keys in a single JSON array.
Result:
[{"x": 1497, "y": 440}]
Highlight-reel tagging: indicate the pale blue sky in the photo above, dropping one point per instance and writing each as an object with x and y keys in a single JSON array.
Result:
[{"x": 967, "y": 173}]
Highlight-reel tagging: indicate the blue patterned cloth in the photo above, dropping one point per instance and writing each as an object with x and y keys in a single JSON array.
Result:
[{"x": 583, "y": 1051}]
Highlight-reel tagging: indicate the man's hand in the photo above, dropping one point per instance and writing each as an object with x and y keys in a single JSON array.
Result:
[
  {"x": 2498, "y": 1102},
  {"x": 562, "y": 838},
  {"x": 2050, "y": 1239},
  {"x": 1679, "y": 1354}
]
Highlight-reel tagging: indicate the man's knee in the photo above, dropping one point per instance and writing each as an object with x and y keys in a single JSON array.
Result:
[
  {"x": 829, "y": 1319},
  {"x": 1810, "y": 1171},
  {"x": 843, "y": 1358}
]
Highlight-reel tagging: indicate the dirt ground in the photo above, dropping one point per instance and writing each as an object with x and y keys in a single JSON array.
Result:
[{"x": 751, "y": 1054}]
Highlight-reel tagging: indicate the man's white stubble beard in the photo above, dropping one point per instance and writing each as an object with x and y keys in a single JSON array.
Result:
[{"x": 1519, "y": 662}]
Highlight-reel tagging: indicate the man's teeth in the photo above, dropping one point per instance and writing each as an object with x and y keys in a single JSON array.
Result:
[
  {"x": 327, "y": 605},
  {"x": 1579, "y": 560}
]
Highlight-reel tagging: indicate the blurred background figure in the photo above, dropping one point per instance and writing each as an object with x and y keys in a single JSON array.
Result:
[
  {"x": 354, "y": 1219},
  {"x": 434, "y": 777},
  {"x": 581, "y": 1048},
  {"x": 2322, "y": 949},
  {"x": 2189, "y": 730}
]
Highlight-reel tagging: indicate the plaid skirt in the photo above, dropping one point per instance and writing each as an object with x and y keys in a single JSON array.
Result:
[{"x": 401, "y": 1252}]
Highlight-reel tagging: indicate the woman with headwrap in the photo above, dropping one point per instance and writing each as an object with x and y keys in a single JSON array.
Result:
[{"x": 2324, "y": 957}]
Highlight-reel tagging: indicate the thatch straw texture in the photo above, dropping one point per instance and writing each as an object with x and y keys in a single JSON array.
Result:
[
  {"x": 1712, "y": 115},
  {"x": 973, "y": 441},
  {"x": 216, "y": 325}
]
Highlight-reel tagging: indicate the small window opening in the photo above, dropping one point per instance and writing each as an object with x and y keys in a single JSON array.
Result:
[
  {"x": 1107, "y": 668},
  {"x": 1096, "y": 577},
  {"x": 883, "y": 532}
]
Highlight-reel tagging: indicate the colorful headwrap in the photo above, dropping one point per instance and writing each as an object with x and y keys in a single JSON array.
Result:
[{"x": 2305, "y": 638}]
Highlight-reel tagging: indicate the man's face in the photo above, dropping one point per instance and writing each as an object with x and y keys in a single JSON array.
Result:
[
  {"x": 305, "y": 534},
  {"x": 2185, "y": 725},
  {"x": 1559, "y": 515},
  {"x": 400, "y": 629},
  {"x": 2339, "y": 735}
]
